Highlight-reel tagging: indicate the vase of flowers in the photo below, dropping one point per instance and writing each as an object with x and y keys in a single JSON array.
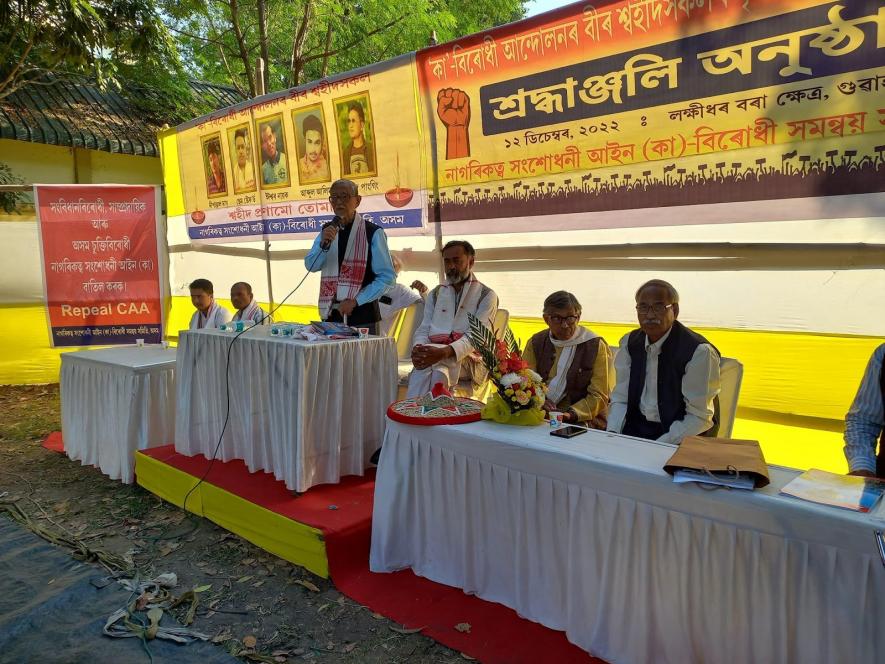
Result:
[{"x": 520, "y": 392}]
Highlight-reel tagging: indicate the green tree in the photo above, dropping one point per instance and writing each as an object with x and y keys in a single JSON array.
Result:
[
  {"x": 103, "y": 38},
  {"x": 302, "y": 40}
]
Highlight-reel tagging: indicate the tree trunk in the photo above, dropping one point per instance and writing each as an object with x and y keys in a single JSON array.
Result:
[
  {"x": 325, "y": 70},
  {"x": 262, "y": 41},
  {"x": 296, "y": 63},
  {"x": 241, "y": 46}
]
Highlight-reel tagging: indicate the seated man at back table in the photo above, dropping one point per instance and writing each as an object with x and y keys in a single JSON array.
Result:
[
  {"x": 865, "y": 422},
  {"x": 442, "y": 352},
  {"x": 667, "y": 375},
  {"x": 575, "y": 362},
  {"x": 208, "y": 313},
  {"x": 247, "y": 308}
]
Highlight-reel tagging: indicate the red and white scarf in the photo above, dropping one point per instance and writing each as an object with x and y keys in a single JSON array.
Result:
[
  {"x": 250, "y": 312},
  {"x": 346, "y": 283}
]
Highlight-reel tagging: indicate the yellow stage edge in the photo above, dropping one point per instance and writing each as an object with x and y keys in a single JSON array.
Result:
[{"x": 283, "y": 537}]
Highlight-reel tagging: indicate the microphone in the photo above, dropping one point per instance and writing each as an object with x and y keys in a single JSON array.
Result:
[{"x": 336, "y": 222}]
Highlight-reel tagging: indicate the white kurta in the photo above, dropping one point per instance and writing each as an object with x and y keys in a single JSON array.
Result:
[
  {"x": 215, "y": 317},
  {"x": 401, "y": 296},
  {"x": 445, "y": 314}
]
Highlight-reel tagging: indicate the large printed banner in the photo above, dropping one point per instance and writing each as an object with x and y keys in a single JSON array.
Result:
[
  {"x": 624, "y": 106},
  {"x": 100, "y": 261},
  {"x": 263, "y": 169}
]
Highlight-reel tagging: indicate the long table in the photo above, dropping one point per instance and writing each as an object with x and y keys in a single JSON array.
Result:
[
  {"x": 308, "y": 412},
  {"x": 115, "y": 401},
  {"x": 590, "y": 536}
]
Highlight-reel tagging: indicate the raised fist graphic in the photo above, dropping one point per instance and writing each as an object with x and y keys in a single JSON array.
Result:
[{"x": 453, "y": 108}]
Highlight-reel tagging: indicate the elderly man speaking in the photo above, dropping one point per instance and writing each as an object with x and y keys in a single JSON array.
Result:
[{"x": 360, "y": 268}]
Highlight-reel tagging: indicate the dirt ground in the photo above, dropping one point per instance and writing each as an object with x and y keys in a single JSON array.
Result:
[{"x": 259, "y": 607}]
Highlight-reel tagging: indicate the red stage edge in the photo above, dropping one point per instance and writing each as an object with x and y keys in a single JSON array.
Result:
[{"x": 343, "y": 512}]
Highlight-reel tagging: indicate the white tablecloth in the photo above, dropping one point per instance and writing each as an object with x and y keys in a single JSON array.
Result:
[
  {"x": 590, "y": 536},
  {"x": 115, "y": 401},
  {"x": 309, "y": 412}
]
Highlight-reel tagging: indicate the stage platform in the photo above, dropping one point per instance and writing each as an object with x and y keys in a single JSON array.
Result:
[
  {"x": 328, "y": 531},
  {"x": 258, "y": 507}
]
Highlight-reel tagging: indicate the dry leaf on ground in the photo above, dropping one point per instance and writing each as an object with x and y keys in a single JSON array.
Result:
[
  {"x": 403, "y": 630},
  {"x": 307, "y": 584}
]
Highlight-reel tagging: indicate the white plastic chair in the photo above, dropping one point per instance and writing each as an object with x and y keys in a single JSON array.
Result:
[
  {"x": 731, "y": 372},
  {"x": 411, "y": 320}
]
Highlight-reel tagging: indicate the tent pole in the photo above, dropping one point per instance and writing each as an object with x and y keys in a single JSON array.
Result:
[{"x": 269, "y": 272}]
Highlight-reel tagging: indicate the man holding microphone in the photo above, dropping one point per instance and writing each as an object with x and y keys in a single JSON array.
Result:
[{"x": 355, "y": 262}]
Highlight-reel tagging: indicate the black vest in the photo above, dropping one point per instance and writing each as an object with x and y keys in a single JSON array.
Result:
[
  {"x": 676, "y": 353},
  {"x": 880, "y": 457},
  {"x": 369, "y": 312}
]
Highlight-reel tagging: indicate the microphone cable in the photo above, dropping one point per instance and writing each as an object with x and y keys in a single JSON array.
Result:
[{"x": 227, "y": 373}]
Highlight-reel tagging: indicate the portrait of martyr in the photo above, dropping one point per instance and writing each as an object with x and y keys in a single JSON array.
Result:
[
  {"x": 311, "y": 144},
  {"x": 213, "y": 165},
  {"x": 356, "y": 134},
  {"x": 274, "y": 162},
  {"x": 242, "y": 153}
]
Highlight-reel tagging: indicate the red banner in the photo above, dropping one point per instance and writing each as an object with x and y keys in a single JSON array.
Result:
[{"x": 100, "y": 262}]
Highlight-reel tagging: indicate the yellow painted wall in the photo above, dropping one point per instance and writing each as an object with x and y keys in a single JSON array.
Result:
[{"x": 53, "y": 164}]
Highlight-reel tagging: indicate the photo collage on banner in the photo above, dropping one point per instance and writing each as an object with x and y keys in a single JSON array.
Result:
[
  {"x": 267, "y": 166},
  {"x": 638, "y": 104}
]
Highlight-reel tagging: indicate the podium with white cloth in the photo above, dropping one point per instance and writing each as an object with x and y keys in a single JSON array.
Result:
[
  {"x": 115, "y": 401},
  {"x": 590, "y": 536},
  {"x": 309, "y": 412}
]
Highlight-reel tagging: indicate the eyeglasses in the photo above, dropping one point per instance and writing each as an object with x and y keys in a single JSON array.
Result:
[
  {"x": 657, "y": 307},
  {"x": 339, "y": 197},
  {"x": 568, "y": 320}
]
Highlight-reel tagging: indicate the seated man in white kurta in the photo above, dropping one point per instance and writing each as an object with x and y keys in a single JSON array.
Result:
[
  {"x": 209, "y": 313},
  {"x": 247, "y": 308},
  {"x": 397, "y": 298},
  {"x": 442, "y": 352}
]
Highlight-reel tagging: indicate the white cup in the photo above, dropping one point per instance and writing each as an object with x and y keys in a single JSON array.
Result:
[
  {"x": 555, "y": 419},
  {"x": 139, "y": 342}
]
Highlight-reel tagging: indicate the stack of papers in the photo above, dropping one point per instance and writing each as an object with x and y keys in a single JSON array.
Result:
[
  {"x": 730, "y": 480},
  {"x": 846, "y": 491}
]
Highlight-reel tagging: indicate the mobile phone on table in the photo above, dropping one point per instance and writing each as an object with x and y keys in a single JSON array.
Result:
[{"x": 568, "y": 432}]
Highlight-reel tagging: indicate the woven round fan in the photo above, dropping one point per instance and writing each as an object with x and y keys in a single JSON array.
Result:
[{"x": 429, "y": 410}]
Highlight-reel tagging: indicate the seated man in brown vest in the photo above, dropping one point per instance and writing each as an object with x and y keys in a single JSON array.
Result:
[
  {"x": 865, "y": 422},
  {"x": 668, "y": 376},
  {"x": 573, "y": 361}
]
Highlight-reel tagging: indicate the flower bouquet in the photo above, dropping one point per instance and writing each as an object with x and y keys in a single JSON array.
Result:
[{"x": 520, "y": 391}]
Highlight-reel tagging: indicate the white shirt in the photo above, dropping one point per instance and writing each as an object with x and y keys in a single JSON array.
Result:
[
  {"x": 401, "y": 296},
  {"x": 215, "y": 317},
  {"x": 700, "y": 385}
]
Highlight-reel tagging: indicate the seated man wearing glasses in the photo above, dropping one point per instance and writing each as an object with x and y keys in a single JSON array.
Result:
[
  {"x": 355, "y": 262},
  {"x": 573, "y": 361},
  {"x": 667, "y": 375}
]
